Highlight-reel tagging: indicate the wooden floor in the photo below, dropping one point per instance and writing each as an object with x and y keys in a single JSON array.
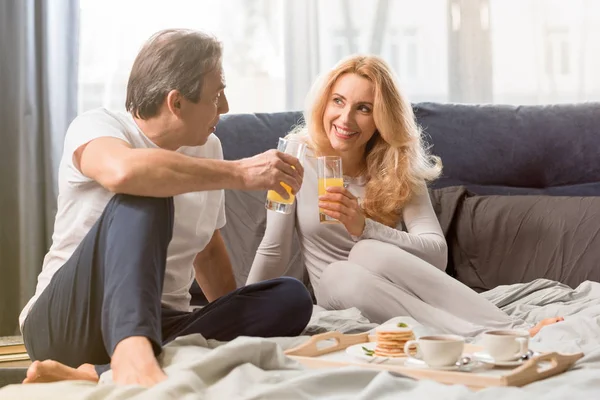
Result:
[
  {"x": 13, "y": 340},
  {"x": 10, "y": 340},
  {"x": 15, "y": 364}
]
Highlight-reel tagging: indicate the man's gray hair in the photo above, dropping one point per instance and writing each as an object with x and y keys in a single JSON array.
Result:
[{"x": 172, "y": 59}]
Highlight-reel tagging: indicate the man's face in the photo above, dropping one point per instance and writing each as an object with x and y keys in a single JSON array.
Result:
[{"x": 200, "y": 119}]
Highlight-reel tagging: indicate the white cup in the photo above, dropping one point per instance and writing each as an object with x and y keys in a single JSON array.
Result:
[
  {"x": 437, "y": 350},
  {"x": 506, "y": 345}
]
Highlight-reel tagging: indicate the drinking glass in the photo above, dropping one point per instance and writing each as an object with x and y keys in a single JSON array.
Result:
[
  {"x": 275, "y": 202},
  {"x": 329, "y": 169}
]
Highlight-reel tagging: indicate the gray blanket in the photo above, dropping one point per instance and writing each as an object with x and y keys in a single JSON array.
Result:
[{"x": 255, "y": 368}]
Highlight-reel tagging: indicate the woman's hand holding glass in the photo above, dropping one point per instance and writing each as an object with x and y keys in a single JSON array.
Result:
[{"x": 342, "y": 205}]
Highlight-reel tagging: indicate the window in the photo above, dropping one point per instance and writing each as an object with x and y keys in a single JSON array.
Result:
[
  {"x": 403, "y": 53},
  {"x": 558, "y": 53},
  {"x": 112, "y": 31},
  {"x": 410, "y": 57},
  {"x": 498, "y": 51}
]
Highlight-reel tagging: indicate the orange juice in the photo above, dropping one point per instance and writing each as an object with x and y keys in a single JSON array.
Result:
[
  {"x": 276, "y": 197},
  {"x": 324, "y": 183},
  {"x": 274, "y": 201}
]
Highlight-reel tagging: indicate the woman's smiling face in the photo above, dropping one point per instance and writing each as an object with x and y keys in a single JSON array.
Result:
[{"x": 348, "y": 117}]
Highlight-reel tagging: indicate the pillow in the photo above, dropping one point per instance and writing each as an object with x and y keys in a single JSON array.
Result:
[{"x": 498, "y": 240}]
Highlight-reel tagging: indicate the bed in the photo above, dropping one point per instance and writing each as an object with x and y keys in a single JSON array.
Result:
[{"x": 256, "y": 368}]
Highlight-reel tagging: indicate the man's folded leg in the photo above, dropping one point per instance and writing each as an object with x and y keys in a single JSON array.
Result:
[
  {"x": 277, "y": 307},
  {"x": 109, "y": 289}
]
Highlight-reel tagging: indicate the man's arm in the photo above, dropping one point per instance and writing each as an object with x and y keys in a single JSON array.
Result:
[
  {"x": 214, "y": 273},
  {"x": 162, "y": 173}
]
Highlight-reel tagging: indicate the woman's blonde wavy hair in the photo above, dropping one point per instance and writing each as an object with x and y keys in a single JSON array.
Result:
[{"x": 398, "y": 163}]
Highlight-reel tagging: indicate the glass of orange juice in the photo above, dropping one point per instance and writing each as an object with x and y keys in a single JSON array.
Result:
[
  {"x": 296, "y": 148},
  {"x": 330, "y": 173}
]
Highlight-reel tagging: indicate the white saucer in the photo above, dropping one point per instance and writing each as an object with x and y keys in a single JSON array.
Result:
[
  {"x": 487, "y": 359},
  {"x": 358, "y": 351},
  {"x": 411, "y": 362}
]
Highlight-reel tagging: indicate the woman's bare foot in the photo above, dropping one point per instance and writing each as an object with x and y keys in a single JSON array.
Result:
[
  {"x": 133, "y": 363},
  {"x": 53, "y": 371},
  {"x": 548, "y": 321}
]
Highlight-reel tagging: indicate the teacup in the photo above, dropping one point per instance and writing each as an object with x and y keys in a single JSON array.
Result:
[
  {"x": 437, "y": 350},
  {"x": 506, "y": 345}
]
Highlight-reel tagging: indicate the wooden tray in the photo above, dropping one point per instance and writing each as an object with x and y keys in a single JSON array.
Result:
[{"x": 312, "y": 355}]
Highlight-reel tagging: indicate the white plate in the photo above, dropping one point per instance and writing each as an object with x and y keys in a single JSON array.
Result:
[
  {"x": 487, "y": 359},
  {"x": 357, "y": 351}
]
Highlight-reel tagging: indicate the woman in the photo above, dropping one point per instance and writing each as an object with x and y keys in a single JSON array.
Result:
[{"x": 388, "y": 255}]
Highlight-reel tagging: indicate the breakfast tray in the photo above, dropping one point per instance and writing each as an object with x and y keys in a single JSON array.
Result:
[{"x": 312, "y": 354}]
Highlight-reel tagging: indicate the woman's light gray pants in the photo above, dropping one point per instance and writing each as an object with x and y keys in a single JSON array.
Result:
[{"x": 384, "y": 281}]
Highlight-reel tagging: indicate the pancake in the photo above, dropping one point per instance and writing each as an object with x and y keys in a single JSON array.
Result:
[{"x": 391, "y": 340}]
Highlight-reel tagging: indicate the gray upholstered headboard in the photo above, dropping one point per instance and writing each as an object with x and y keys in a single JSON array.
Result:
[{"x": 245, "y": 135}]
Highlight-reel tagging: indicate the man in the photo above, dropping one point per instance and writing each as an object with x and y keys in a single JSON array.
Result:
[{"x": 140, "y": 206}]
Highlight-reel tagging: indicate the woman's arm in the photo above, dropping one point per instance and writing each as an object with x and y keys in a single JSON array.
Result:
[
  {"x": 274, "y": 251},
  {"x": 424, "y": 238}
]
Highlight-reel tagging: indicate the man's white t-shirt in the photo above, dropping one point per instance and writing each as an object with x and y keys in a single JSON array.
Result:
[{"x": 81, "y": 200}]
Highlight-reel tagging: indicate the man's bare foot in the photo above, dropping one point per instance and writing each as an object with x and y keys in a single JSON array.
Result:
[
  {"x": 133, "y": 363},
  {"x": 53, "y": 371},
  {"x": 545, "y": 322}
]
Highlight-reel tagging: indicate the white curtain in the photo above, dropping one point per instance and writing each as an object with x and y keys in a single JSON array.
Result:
[{"x": 473, "y": 51}]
